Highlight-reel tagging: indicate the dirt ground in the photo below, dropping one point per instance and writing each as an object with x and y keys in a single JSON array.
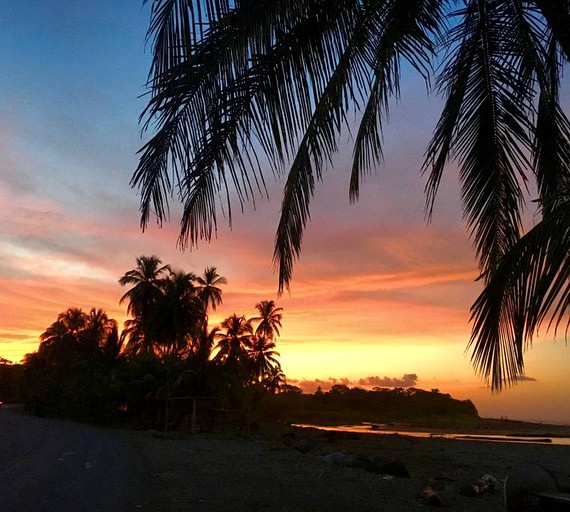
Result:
[{"x": 50, "y": 465}]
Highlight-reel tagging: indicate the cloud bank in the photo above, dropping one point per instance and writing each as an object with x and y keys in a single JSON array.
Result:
[
  {"x": 310, "y": 386},
  {"x": 406, "y": 381}
]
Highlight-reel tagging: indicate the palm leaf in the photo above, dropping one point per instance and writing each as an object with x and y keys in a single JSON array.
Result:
[
  {"x": 557, "y": 16},
  {"x": 552, "y": 137},
  {"x": 402, "y": 30},
  {"x": 367, "y": 57},
  {"x": 531, "y": 285},
  {"x": 485, "y": 125},
  {"x": 238, "y": 87}
]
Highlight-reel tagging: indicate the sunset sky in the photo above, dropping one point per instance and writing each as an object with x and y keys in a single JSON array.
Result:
[{"x": 377, "y": 293}]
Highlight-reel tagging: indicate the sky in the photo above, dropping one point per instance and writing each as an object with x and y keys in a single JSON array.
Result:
[{"x": 379, "y": 296}]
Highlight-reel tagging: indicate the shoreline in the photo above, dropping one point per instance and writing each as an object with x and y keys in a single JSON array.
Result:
[{"x": 482, "y": 426}]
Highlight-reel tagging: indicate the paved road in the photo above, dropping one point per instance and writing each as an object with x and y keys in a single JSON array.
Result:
[{"x": 50, "y": 465}]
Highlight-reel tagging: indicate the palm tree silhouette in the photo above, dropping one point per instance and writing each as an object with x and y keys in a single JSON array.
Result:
[
  {"x": 65, "y": 331},
  {"x": 143, "y": 298},
  {"x": 179, "y": 312},
  {"x": 234, "y": 343},
  {"x": 203, "y": 343},
  {"x": 77, "y": 332},
  {"x": 100, "y": 328},
  {"x": 210, "y": 290},
  {"x": 235, "y": 84},
  {"x": 263, "y": 357},
  {"x": 275, "y": 379},
  {"x": 145, "y": 279},
  {"x": 113, "y": 344},
  {"x": 269, "y": 319}
]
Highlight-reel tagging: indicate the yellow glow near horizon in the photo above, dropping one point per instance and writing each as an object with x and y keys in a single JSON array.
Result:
[{"x": 356, "y": 360}]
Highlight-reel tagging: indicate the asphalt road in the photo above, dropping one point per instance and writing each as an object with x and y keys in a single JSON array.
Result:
[{"x": 51, "y": 465}]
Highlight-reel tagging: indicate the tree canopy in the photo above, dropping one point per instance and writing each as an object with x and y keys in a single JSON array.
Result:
[{"x": 85, "y": 369}]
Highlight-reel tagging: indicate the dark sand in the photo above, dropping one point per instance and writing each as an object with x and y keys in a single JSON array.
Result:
[{"x": 213, "y": 473}]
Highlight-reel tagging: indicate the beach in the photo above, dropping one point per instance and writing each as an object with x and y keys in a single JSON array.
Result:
[{"x": 54, "y": 465}]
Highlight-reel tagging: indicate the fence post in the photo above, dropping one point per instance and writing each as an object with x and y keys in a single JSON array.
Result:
[
  {"x": 166, "y": 415},
  {"x": 193, "y": 426}
]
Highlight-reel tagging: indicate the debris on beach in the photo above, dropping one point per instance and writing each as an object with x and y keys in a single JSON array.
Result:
[
  {"x": 395, "y": 468},
  {"x": 374, "y": 464},
  {"x": 431, "y": 497},
  {"x": 486, "y": 484}
]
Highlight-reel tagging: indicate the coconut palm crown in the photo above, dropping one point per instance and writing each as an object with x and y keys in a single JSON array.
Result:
[
  {"x": 237, "y": 83},
  {"x": 210, "y": 290},
  {"x": 269, "y": 319}
]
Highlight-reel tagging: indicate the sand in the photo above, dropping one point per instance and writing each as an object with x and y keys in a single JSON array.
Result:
[{"x": 220, "y": 472}]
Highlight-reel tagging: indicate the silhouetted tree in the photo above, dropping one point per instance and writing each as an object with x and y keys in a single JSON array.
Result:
[
  {"x": 210, "y": 291},
  {"x": 11, "y": 381},
  {"x": 179, "y": 312},
  {"x": 142, "y": 300},
  {"x": 168, "y": 307},
  {"x": 274, "y": 380},
  {"x": 235, "y": 340},
  {"x": 269, "y": 319},
  {"x": 74, "y": 373},
  {"x": 83, "y": 370},
  {"x": 113, "y": 343},
  {"x": 76, "y": 332},
  {"x": 263, "y": 360},
  {"x": 203, "y": 342}
]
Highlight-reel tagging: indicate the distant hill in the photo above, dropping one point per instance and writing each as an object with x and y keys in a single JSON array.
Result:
[{"x": 343, "y": 404}]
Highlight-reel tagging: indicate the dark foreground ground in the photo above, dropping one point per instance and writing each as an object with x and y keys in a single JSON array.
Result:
[{"x": 50, "y": 465}]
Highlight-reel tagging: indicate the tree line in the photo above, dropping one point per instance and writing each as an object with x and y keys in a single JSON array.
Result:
[
  {"x": 168, "y": 364},
  {"x": 342, "y": 404},
  {"x": 86, "y": 369}
]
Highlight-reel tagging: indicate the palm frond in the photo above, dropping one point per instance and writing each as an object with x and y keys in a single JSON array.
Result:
[
  {"x": 552, "y": 138},
  {"x": 557, "y": 16},
  {"x": 485, "y": 125},
  {"x": 237, "y": 87},
  {"x": 530, "y": 285},
  {"x": 401, "y": 30},
  {"x": 369, "y": 59}
]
